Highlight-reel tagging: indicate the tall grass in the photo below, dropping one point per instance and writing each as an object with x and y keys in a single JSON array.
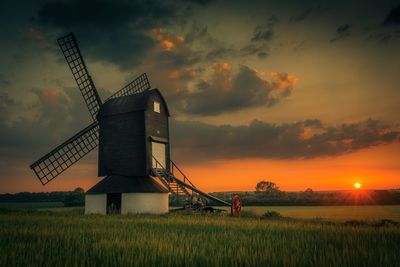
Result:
[{"x": 40, "y": 238}]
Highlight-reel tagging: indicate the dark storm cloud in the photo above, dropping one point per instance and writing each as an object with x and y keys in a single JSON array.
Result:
[
  {"x": 5, "y": 102},
  {"x": 228, "y": 92},
  {"x": 384, "y": 37},
  {"x": 302, "y": 16},
  {"x": 305, "y": 139},
  {"x": 342, "y": 32},
  {"x": 393, "y": 18},
  {"x": 200, "y": 2},
  {"x": 343, "y": 28},
  {"x": 58, "y": 114},
  {"x": 198, "y": 33},
  {"x": 112, "y": 31},
  {"x": 252, "y": 49},
  {"x": 262, "y": 36},
  {"x": 220, "y": 53},
  {"x": 262, "y": 55},
  {"x": 265, "y": 32},
  {"x": 174, "y": 60}
]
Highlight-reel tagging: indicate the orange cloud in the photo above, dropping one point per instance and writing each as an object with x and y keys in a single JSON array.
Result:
[
  {"x": 220, "y": 68},
  {"x": 167, "y": 44},
  {"x": 50, "y": 97},
  {"x": 283, "y": 81},
  {"x": 222, "y": 75},
  {"x": 167, "y": 41}
]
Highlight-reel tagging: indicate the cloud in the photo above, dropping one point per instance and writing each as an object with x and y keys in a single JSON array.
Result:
[
  {"x": 253, "y": 49},
  {"x": 342, "y": 32},
  {"x": 264, "y": 32},
  {"x": 5, "y": 103},
  {"x": 118, "y": 32},
  {"x": 220, "y": 53},
  {"x": 200, "y": 2},
  {"x": 384, "y": 37},
  {"x": 301, "y": 140},
  {"x": 343, "y": 28},
  {"x": 227, "y": 91},
  {"x": 393, "y": 18},
  {"x": 302, "y": 16},
  {"x": 262, "y": 36},
  {"x": 172, "y": 51},
  {"x": 56, "y": 114}
]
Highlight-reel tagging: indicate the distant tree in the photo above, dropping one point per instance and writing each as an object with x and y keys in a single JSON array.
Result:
[
  {"x": 309, "y": 191},
  {"x": 266, "y": 186},
  {"x": 75, "y": 198},
  {"x": 79, "y": 190}
]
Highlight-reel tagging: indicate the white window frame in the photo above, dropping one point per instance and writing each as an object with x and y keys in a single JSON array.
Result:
[{"x": 156, "y": 106}]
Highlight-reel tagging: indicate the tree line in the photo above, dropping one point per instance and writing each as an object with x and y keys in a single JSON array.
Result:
[
  {"x": 69, "y": 198},
  {"x": 268, "y": 194}
]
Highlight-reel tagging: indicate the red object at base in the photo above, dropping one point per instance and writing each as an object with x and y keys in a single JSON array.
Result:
[{"x": 236, "y": 206}]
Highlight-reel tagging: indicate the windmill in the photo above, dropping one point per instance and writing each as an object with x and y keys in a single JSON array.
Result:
[{"x": 132, "y": 131}]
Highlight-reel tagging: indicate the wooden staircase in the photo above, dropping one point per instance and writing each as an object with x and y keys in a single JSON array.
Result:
[
  {"x": 181, "y": 188},
  {"x": 179, "y": 192}
]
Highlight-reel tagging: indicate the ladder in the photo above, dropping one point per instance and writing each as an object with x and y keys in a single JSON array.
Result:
[{"x": 181, "y": 188}]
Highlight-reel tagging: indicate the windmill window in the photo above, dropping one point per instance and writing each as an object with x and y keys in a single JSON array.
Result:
[{"x": 156, "y": 106}]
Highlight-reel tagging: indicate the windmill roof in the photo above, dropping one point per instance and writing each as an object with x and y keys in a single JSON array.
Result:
[
  {"x": 127, "y": 184},
  {"x": 130, "y": 103}
]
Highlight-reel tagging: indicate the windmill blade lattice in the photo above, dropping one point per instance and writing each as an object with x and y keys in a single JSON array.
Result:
[
  {"x": 62, "y": 157},
  {"x": 72, "y": 54},
  {"x": 138, "y": 85}
]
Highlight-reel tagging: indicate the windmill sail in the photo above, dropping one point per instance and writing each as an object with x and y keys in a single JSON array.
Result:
[
  {"x": 62, "y": 157},
  {"x": 138, "y": 85},
  {"x": 72, "y": 54}
]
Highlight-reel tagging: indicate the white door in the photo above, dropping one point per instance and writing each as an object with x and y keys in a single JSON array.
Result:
[{"x": 158, "y": 151}]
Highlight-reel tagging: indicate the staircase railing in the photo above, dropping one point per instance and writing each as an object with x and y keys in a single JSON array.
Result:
[
  {"x": 159, "y": 166},
  {"x": 174, "y": 167},
  {"x": 186, "y": 183}
]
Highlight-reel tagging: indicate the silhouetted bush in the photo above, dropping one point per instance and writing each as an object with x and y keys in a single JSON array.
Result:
[
  {"x": 271, "y": 214},
  {"x": 75, "y": 198}
]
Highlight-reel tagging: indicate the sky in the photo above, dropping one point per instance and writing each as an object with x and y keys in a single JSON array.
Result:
[{"x": 302, "y": 93}]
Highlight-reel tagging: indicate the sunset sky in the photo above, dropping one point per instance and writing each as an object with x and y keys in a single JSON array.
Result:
[{"x": 302, "y": 93}]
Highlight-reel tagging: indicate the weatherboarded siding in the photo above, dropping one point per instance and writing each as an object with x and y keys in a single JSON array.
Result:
[{"x": 123, "y": 146}]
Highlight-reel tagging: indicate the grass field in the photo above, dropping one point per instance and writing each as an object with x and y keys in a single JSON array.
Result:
[
  {"x": 333, "y": 213},
  {"x": 68, "y": 238},
  {"x": 30, "y": 205},
  {"x": 336, "y": 213}
]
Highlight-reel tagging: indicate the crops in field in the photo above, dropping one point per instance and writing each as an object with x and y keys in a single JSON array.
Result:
[
  {"x": 30, "y": 205},
  {"x": 44, "y": 238},
  {"x": 334, "y": 213}
]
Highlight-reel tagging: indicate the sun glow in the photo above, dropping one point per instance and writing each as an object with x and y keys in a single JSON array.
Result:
[{"x": 357, "y": 185}]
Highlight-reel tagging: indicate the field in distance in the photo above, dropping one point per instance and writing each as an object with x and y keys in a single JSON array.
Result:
[
  {"x": 68, "y": 238},
  {"x": 336, "y": 213}
]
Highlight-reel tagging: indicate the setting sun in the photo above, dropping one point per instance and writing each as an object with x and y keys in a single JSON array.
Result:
[{"x": 357, "y": 185}]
